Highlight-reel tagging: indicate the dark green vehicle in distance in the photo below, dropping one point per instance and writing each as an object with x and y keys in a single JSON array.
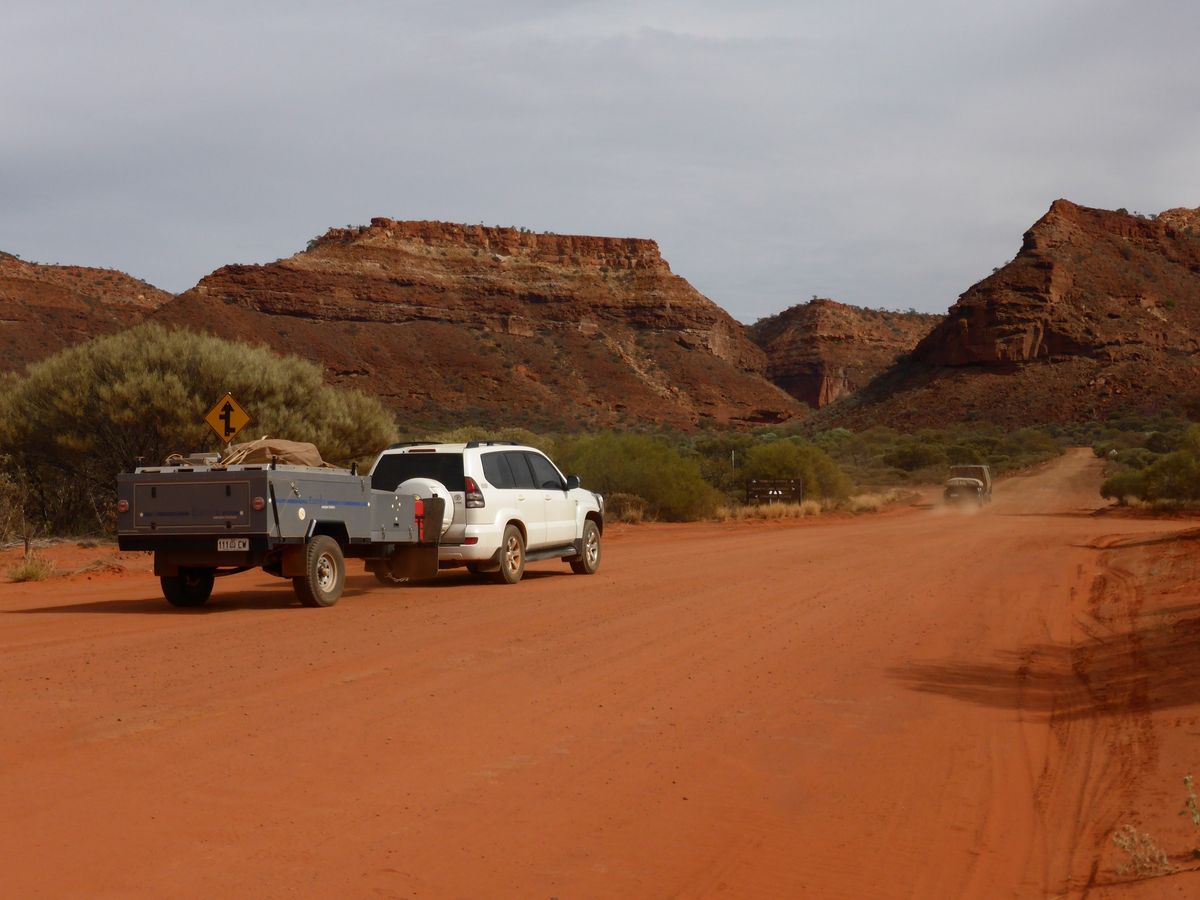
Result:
[{"x": 969, "y": 484}]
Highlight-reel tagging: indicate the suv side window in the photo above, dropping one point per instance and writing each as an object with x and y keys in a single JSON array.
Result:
[
  {"x": 544, "y": 473},
  {"x": 522, "y": 476},
  {"x": 496, "y": 470}
]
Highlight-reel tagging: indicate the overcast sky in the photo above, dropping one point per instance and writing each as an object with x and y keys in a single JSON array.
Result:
[{"x": 881, "y": 153}]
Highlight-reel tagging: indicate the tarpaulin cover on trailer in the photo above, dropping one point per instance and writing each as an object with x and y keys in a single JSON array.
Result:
[{"x": 289, "y": 453}]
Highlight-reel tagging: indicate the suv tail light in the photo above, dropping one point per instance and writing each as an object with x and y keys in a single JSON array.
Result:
[{"x": 472, "y": 494}]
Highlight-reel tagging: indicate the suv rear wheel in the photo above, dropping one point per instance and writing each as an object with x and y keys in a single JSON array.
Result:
[{"x": 512, "y": 555}]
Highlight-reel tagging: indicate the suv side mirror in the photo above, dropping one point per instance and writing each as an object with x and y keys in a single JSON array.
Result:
[{"x": 573, "y": 482}]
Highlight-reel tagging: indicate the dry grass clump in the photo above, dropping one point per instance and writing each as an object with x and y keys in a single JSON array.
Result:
[
  {"x": 728, "y": 513},
  {"x": 32, "y": 568},
  {"x": 1158, "y": 507},
  {"x": 874, "y": 502},
  {"x": 1132, "y": 502},
  {"x": 628, "y": 508},
  {"x": 1146, "y": 858}
]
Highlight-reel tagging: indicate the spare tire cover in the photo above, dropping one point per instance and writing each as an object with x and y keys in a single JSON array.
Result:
[{"x": 426, "y": 488}]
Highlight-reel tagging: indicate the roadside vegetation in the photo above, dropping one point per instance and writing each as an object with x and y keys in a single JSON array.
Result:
[
  {"x": 1151, "y": 462},
  {"x": 673, "y": 476},
  {"x": 34, "y": 567},
  {"x": 71, "y": 422}
]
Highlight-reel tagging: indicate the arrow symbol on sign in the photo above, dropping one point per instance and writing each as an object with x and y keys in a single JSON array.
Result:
[{"x": 226, "y": 417}]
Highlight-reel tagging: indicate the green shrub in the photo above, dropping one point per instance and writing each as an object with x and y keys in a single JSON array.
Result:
[
  {"x": 1123, "y": 484},
  {"x": 966, "y": 455},
  {"x": 77, "y": 418},
  {"x": 466, "y": 433},
  {"x": 1031, "y": 442},
  {"x": 1163, "y": 442},
  {"x": 722, "y": 456},
  {"x": 823, "y": 480},
  {"x": 1175, "y": 476},
  {"x": 1136, "y": 457},
  {"x": 911, "y": 457},
  {"x": 1190, "y": 441},
  {"x": 647, "y": 467},
  {"x": 1148, "y": 468}
]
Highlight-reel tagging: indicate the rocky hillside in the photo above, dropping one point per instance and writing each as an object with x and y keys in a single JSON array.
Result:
[
  {"x": 467, "y": 324},
  {"x": 822, "y": 350},
  {"x": 1098, "y": 313},
  {"x": 45, "y": 308}
]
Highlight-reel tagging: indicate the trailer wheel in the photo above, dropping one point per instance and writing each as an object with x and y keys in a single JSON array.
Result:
[
  {"x": 512, "y": 556},
  {"x": 191, "y": 587},
  {"x": 589, "y": 560},
  {"x": 324, "y": 573}
]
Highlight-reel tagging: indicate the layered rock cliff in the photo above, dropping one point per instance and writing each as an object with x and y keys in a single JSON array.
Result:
[
  {"x": 45, "y": 308},
  {"x": 1086, "y": 282},
  {"x": 1099, "y": 313},
  {"x": 467, "y": 324},
  {"x": 822, "y": 350}
]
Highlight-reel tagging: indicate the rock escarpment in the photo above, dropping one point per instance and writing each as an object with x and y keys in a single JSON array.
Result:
[
  {"x": 1099, "y": 313},
  {"x": 468, "y": 324},
  {"x": 45, "y": 308},
  {"x": 822, "y": 350},
  {"x": 1087, "y": 282}
]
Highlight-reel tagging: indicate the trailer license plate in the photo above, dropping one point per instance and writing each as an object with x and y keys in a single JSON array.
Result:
[{"x": 234, "y": 544}]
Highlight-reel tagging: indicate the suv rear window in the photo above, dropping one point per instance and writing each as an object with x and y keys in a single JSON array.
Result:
[
  {"x": 522, "y": 477},
  {"x": 496, "y": 470},
  {"x": 396, "y": 468}
]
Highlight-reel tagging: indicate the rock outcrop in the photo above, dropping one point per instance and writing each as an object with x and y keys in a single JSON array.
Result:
[
  {"x": 466, "y": 324},
  {"x": 45, "y": 308},
  {"x": 1087, "y": 282},
  {"x": 823, "y": 350},
  {"x": 1099, "y": 313}
]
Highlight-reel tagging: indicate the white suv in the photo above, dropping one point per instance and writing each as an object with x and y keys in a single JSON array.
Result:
[{"x": 505, "y": 503}]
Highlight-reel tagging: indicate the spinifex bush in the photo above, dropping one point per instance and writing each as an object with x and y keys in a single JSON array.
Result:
[
  {"x": 77, "y": 418},
  {"x": 32, "y": 568}
]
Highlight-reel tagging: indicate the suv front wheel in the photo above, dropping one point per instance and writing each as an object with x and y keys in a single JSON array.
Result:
[
  {"x": 512, "y": 555},
  {"x": 589, "y": 559}
]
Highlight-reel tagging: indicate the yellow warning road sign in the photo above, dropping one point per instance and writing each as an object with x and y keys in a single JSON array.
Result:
[{"x": 227, "y": 418}]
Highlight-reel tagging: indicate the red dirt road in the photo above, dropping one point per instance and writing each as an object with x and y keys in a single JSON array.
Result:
[{"x": 913, "y": 704}]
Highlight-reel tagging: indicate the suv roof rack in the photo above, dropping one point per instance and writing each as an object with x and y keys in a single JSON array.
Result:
[
  {"x": 409, "y": 444},
  {"x": 472, "y": 444}
]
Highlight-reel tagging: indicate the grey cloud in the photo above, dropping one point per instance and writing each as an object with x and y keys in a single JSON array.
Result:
[{"x": 882, "y": 154}]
